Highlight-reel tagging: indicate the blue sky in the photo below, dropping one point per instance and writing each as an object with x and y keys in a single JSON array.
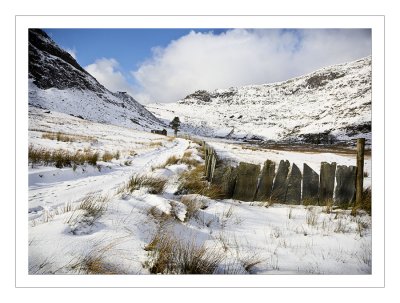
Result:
[
  {"x": 164, "y": 65},
  {"x": 130, "y": 47}
]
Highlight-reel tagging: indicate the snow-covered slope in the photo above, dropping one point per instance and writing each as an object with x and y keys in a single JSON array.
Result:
[
  {"x": 57, "y": 82},
  {"x": 333, "y": 103}
]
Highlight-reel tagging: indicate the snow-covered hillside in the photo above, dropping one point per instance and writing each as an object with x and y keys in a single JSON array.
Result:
[
  {"x": 333, "y": 103},
  {"x": 57, "y": 82}
]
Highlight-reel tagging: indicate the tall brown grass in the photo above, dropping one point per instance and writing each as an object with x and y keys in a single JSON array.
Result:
[
  {"x": 193, "y": 182},
  {"x": 171, "y": 255},
  {"x": 155, "y": 185},
  {"x": 59, "y": 136},
  {"x": 60, "y": 158},
  {"x": 366, "y": 203}
]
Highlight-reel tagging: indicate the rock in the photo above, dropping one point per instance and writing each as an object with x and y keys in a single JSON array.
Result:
[
  {"x": 266, "y": 181},
  {"x": 246, "y": 181},
  {"x": 293, "y": 193},
  {"x": 279, "y": 188},
  {"x": 345, "y": 190},
  {"x": 310, "y": 185}
]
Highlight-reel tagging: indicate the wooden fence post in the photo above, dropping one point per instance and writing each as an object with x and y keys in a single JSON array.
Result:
[{"x": 360, "y": 170}]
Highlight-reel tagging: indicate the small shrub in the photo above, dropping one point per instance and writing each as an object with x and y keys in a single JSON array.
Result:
[
  {"x": 155, "y": 144},
  {"x": 94, "y": 262},
  {"x": 309, "y": 201},
  {"x": 340, "y": 226},
  {"x": 366, "y": 203},
  {"x": 193, "y": 205},
  {"x": 117, "y": 155},
  {"x": 86, "y": 213},
  {"x": 187, "y": 154},
  {"x": 170, "y": 255},
  {"x": 94, "y": 206},
  {"x": 157, "y": 214},
  {"x": 250, "y": 261},
  {"x": 107, "y": 156},
  {"x": 171, "y": 161},
  {"x": 92, "y": 158},
  {"x": 193, "y": 182},
  {"x": 189, "y": 161},
  {"x": 61, "y": 158},
  {"x": 361, "y": 226},
  {"x": 328, "y": 206},
  {"x": 312, "y": 217},
  {"x": 226, "y": 216},
  {"x": 367, "y": 200},
  {"x": 155, "y": 185}
]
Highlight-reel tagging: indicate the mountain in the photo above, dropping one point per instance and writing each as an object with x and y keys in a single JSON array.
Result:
[
  {"x": 57, "y": 82},
  {"x": 327, "y": 106}
]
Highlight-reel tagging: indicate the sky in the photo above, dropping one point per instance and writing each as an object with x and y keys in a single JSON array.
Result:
[{"x": 165, "y": 65}]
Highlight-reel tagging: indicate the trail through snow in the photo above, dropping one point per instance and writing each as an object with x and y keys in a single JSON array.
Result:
[{"x": 68, "y": 186}]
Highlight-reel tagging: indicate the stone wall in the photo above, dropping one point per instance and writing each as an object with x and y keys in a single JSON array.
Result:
[{"x": 288, "y": 185}]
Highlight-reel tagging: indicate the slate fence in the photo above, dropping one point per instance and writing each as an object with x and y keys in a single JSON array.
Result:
[{"x": 282, "y": 184}]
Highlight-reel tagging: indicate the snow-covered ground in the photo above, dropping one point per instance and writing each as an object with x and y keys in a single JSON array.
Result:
[{"x": 248, "y": 237}]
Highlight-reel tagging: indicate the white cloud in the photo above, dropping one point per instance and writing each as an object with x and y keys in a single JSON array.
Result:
[
  {"x": 240, "y": 57},
  {"x": 106, "y": 72},
  {"x": 71, "y": 51}
]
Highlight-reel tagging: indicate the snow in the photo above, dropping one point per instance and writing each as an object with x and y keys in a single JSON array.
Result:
[
  {"x": 283, "y": 110},
  {"x": 108, "y": 109},
  {"x": 252, "y": 238}
]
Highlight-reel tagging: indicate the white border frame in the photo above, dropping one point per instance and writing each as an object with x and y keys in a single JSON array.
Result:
[{"x": 376, "y": 23}]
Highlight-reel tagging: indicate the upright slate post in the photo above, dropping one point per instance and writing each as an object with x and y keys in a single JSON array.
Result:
[
  {"x": 246, "y": 181},
  {"x": 293, "y": 193},
  {"x": 267, "y": 178},
  {"x": 310, "y": 185},
  {"x": 345, "y": 185},
  {"x": 360, "y": 170},
  {"x": 213, "y": 164},
  {"x": 225, "y": 177},
  {"x": 326, "y": 182},
  {"x": 279, "y": 188}
]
